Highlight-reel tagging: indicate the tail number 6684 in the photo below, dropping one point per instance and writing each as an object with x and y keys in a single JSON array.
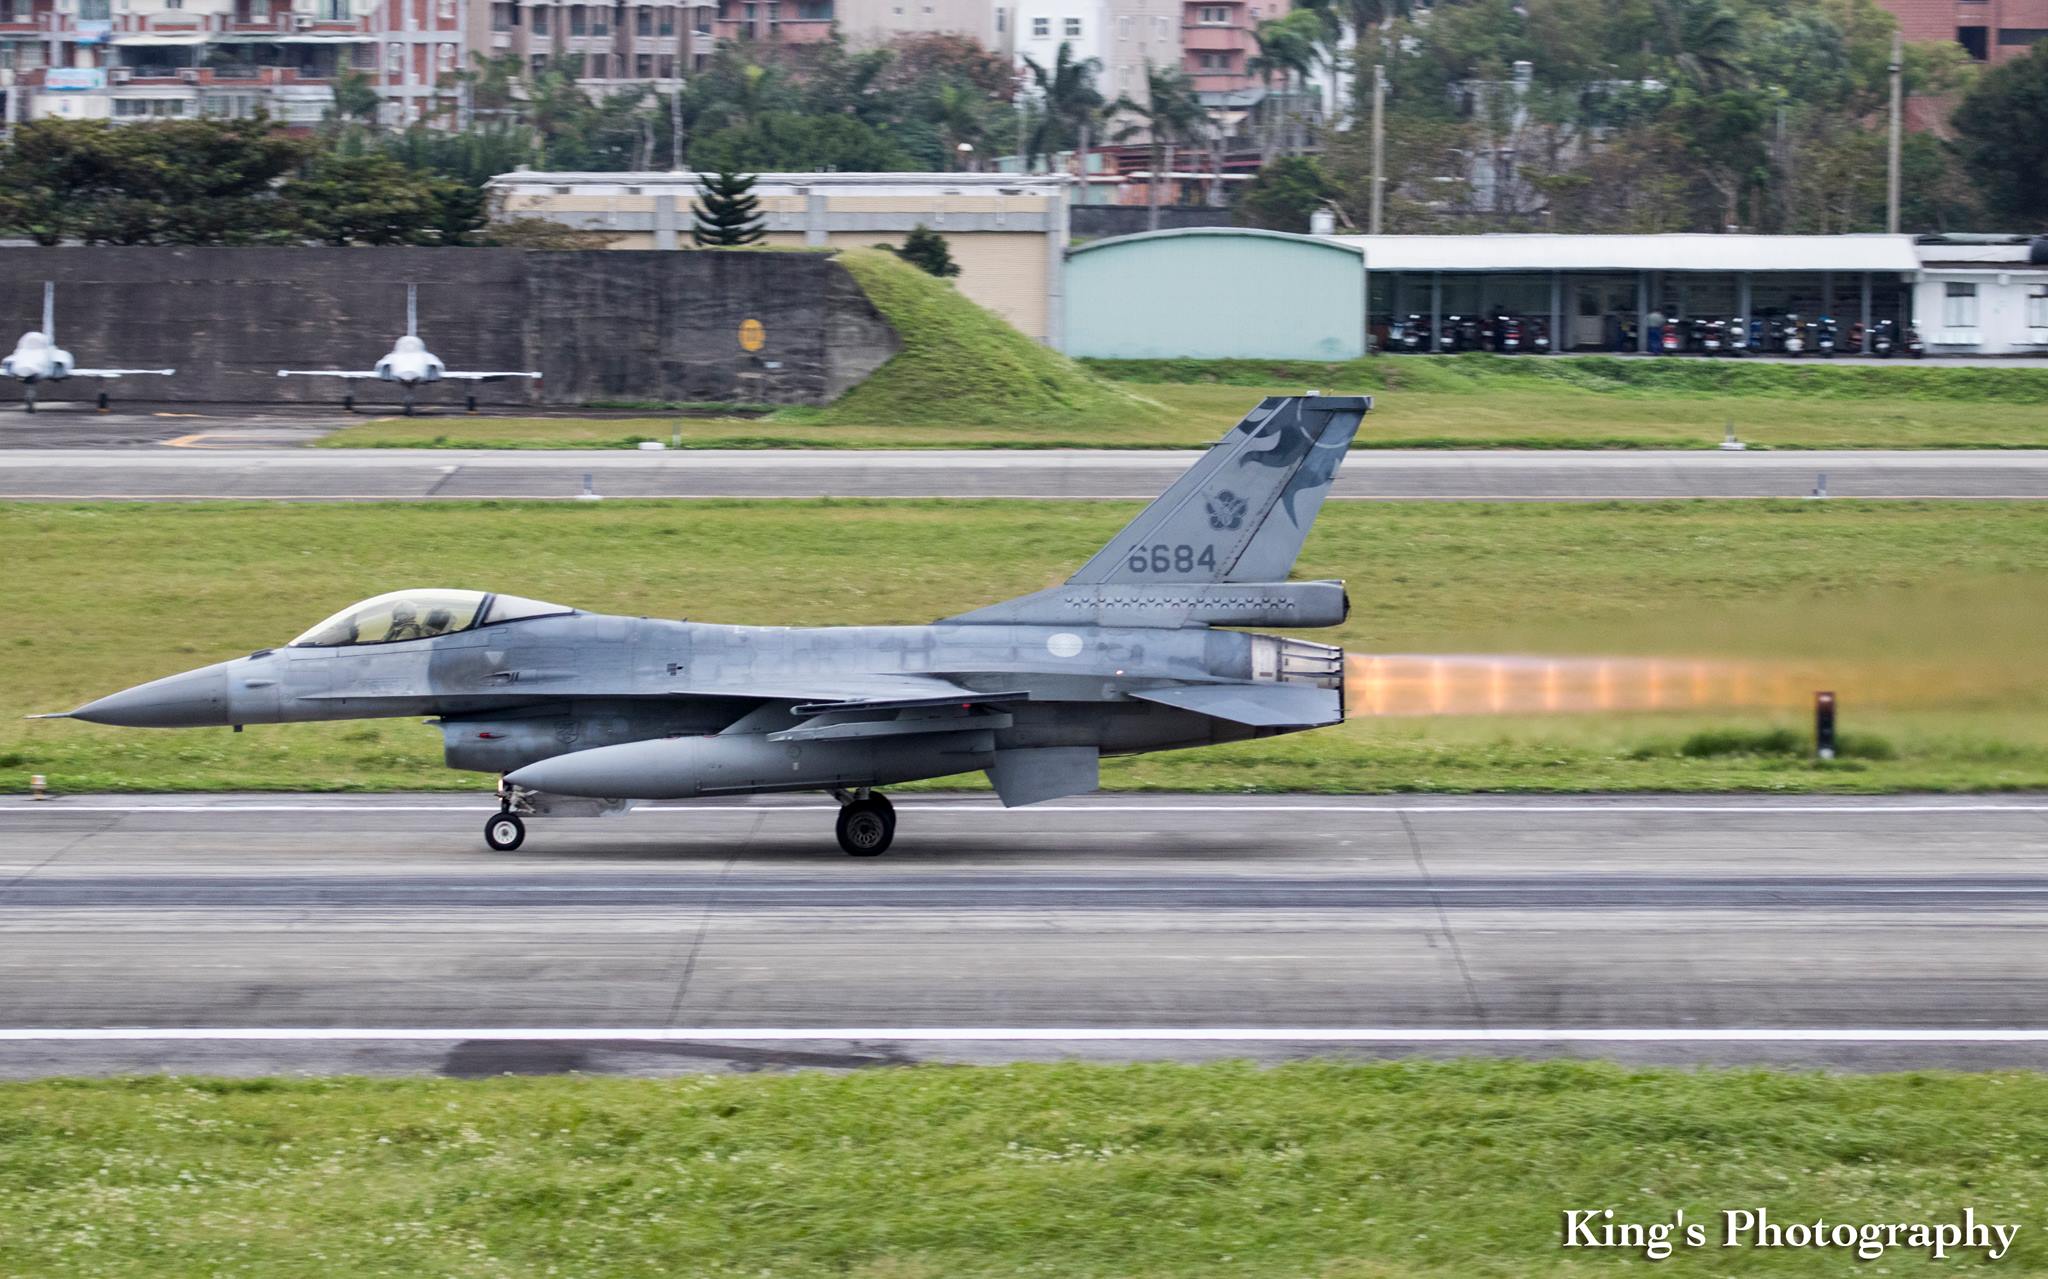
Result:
[{"x": 1162, "y": 558}]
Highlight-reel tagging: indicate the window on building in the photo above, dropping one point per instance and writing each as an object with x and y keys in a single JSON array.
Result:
[
  {"x": 335, "y": 11},
  {"x": 1073, "y": 26},
  {"x": 1974, "y": 42},
  {"x": 1041, "y": 27},
  {"x": 445, "y": 10},
  {"x": 539, "y": 63},
  {"x": 151, "y": 108},
  {"x": 1213, "y": 15},
  {"x": 2037, "y": 307},
  {"x": 174, "y": 4},
  {"x": 1162, "y": 27},
  {"x": 444, "y": 57},
  {"x": 665, "y": 66},
  {"x": 503, "y": 17},
  {"x": 1123, "y": 26},
  {"x": 600, "y": 20},
  {"x": 2020, "y": 37},
  {"x": 667, "y": 23},
  {"x": 578, "y": 24},
  {"x": 643, "y": 21},
  {"x": 1959, "y": 307},
  {"x": 394, "y": 57},
  {"x": 95, "y": 10},
  {"x": 1002, "y": 20},
  {"x": 540, "y": 19},
  {"x": 643, "y": 66}
]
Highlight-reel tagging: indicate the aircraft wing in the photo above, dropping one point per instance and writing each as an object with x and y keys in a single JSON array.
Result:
[
  {"x": 448, "y": 376},
  {"x": 326, "y": 373},
  {"x": 120, "y": 372}
]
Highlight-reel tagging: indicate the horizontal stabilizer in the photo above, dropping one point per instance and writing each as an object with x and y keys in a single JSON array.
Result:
[
  {"x": 1255, "y": 705},
  {"x": 1051, "y": 772}
]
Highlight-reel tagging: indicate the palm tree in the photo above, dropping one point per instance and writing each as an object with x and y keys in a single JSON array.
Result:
[
  {"x": 1069, "y": 102},
  {"x": 957, "y": 114},
  {"x": 1288, "y": 47},
  {"x": 1704, "y": 37},
  {"x": 1171, "y": 114}
]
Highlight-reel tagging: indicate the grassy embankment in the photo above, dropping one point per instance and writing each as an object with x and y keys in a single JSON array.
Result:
[
  {"x": 967, "y": 380},
  {"x": 1316, "y": 1169},
  {"x": 1871, "y": 597}
]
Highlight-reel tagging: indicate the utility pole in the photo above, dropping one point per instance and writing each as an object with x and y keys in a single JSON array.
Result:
[
  {"x": 1891, "y": 185},
  {"x": 1379, "y": 146}
]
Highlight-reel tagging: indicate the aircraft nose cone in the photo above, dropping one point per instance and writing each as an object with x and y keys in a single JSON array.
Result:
[{"x": 195, "y": 699}]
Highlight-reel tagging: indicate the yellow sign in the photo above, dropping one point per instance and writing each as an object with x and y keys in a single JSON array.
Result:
[{"x": 752, "y": 336}]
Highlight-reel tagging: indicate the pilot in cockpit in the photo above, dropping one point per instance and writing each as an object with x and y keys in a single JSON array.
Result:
[{"x": 403, "y": 625}]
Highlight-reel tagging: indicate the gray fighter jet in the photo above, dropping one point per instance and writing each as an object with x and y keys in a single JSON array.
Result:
[{"x": 580, "y": 713}]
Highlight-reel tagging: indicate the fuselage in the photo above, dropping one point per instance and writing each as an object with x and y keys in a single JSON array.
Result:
[
  {"x": 513, "y": 693},
  {"x": 37, "y": 359},
  {"x": 410, "y": 363}
]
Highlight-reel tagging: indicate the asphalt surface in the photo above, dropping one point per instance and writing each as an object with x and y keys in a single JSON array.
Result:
[
  {"x": 376, "y": 933},
  {"x": 447, "y": 474}
]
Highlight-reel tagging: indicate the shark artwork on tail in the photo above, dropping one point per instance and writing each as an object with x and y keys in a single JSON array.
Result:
[{"x": 581, "y": 714}]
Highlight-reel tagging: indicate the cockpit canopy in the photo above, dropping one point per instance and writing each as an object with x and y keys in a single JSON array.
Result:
[{"x": 420, "y": 614}]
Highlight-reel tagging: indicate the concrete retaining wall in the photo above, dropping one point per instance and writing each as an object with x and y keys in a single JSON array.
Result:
[{"x": 601, "y": 325}]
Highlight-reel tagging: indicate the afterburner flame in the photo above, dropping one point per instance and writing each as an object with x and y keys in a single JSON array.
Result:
[{"x": 1479, "y": 684}]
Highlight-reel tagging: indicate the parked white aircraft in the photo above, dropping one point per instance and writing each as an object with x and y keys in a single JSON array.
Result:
[
  {"x": 38, "y": 358},
  {"x": 409, "y": 364}
]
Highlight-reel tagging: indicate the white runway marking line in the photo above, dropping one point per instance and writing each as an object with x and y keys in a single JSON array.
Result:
[
  {"x": 483, "y": 804},
  {"x": 1035, "y": 1034}
]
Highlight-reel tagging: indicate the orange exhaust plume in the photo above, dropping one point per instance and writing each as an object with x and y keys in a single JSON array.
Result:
[{"x": 1477, "y": 684}]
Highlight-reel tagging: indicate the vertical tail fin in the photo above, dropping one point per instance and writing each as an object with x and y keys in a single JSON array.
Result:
[
  {"x": 412, "y": 310},
  {"x": 1243, "y": 511},
  {"x": 50, "y": 311}
]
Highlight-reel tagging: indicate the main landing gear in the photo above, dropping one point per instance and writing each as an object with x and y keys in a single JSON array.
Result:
[
  {"x": 867, "y": 822},
  {"x": 504, "y": 832}
]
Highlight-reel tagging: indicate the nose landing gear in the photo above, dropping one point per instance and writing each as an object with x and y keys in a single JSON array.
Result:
[
  {"x": 505, "y": 831},
  {"x": 867, "y": 823}
]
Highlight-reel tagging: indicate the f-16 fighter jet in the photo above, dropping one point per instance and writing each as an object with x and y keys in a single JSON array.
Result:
[
  {"x": 38, "y": 358},
  {"x": 409, "y": 363},
  {"x": 582, "y": 713}
]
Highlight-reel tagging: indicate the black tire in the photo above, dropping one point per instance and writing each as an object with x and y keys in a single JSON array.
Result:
[
  {"x": 504, "y": 832},
  {"x": 867, "y": 827},
  {"x": 103, "y": 401},
  {"x": 348, "y": 403}
]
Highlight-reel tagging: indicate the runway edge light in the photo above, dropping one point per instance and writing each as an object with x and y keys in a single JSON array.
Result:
[{"x": 1824, "y": 725}]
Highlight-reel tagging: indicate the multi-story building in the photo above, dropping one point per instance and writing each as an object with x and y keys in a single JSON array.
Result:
[
  {"x": 788, "y": 21},
  {"x": 1141, "y": 34},
  {"x": 1991, "y": 30},
  {"x": 1039, "y": 27},
  {"x": 603, "y": 44},
  {"x": 180, "y": 59},
  {"x": 866, "y": 24},
  {"x": 1218, "y": 43}
]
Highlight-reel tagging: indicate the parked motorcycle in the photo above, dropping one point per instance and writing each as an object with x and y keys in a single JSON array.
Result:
[
  {"x": 1507, "y": 334},
  {"x": 1710, "y": 337},
  {"x": 1884, "y": 338},
  {"x": 1539, "y": 337},
  {"x": 1672, "y": 340},
  {"x": 1410, "y": 336},
  {"x": 1858, "y": 339},
  {"x": 1791, "y": 335},
  {"x": 1460, "y": 333},
  {"x": 1825, "y": 338},
  {"x": 1910, "y": 342},
  {"x": 1739, "y": 336}
]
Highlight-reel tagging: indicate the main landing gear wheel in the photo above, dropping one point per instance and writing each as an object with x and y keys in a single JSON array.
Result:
[
  {"x": 103, "y": 401},
  {"x": 504, "y": 832},
  {"x": 348, "y": 403},
  {"x": 867, "y": 826}
]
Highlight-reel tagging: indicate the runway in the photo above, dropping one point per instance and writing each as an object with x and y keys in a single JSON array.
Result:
[
  {"x": 247, "y": 934},
  {"x": 156, "y": 474}
]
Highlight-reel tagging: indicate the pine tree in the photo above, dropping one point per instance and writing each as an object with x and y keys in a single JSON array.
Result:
[
  {"x": 729, "y": 214},
  {"x": 926, "y": 250}
]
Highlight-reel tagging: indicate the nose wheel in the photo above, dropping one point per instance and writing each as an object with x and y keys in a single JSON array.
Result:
[
  {"x": 504, "y": 832},
  {"x": 867, "y": 825}
]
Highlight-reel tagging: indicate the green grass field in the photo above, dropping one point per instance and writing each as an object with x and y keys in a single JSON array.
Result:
[
  {"x": 1440, "y": 1171},
  {"x": 1194, "y": 414},
  {"x": 1925, "y": 617}
]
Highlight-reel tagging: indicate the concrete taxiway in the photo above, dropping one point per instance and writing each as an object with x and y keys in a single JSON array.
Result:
[
  {"x": 448, "y": 474},
  {"x": 375, "y": 933}
]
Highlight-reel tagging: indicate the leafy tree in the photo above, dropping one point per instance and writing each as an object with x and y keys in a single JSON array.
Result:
[
  {"x": 373, "y": 199},
  {"x": 1283, "y": 195},
  {"x": 786, "y": 140},
  {"x": 2002, "y": 132},
  {"x": 174, "y": 182},
  {"x": 355, "y": 97},
  {"x": 728, "y": 215},
  {"x": 926, "y": 250}
]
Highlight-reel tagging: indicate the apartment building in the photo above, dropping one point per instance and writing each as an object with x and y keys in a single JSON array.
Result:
[
  {"x": 1989, "y": 30},
  {"x": 606, "y": 45},
  {"x": 787, "y": 21},
  {"x": 188, "y": 59},
  {"x": 866, "y": 24},
  {"x": 1219, "y": 41}
]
